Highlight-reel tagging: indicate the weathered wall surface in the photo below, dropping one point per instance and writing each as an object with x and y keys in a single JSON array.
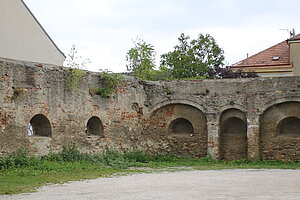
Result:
[
  {"x": 233, "y": 135},
  {"x": 28, "y": 90},
  {"x": 195, "y": 118}
]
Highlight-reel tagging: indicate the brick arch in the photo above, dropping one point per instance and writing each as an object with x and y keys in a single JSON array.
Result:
[
  {"x": 273, "y": 102},
  {"x": 233, "y": 134},
  {"x": 181, "y": 126},
  {"x": 39, "y": 125},
  {"x": 94, "y": 126},
  {"x": 186, "y": 117},
  {"x": 289, "y": 126},
  {"x": 177, "y": 101},
  {"x": 279, "y": 146}
]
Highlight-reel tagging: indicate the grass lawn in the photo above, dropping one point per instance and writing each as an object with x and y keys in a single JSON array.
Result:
[{"x": 21, "y": 173}]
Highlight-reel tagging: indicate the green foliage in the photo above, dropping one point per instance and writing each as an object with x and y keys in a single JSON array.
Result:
[
  {"x": 22, "y": 180},
  {"x": 74, "y": 77},
  {"x": 193, "y": 58},
  {"x": 110, "y": 79},
  {"x": 138, "y": 156},
  {"x": 109, "y": 82},
  {"x": 115, "y": 159},
  {"x": 158, "y": 75},
  {"x": 231, "y": 102},
  {"x": 75, "y": 64},
  {"x": 18, "y": 159},
  {"x": 103, "y": 92},
  {"x": 20, "y": 172},
  {"x": 69, "y": 153},
  {"x": 141, "y": 60},
  {"x": 75, "y": 61}
]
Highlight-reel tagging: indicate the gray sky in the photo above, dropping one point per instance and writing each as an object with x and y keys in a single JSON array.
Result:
[{"x": 102, "y": 30}]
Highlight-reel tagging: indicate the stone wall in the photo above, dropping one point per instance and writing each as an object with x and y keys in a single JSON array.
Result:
[{"x": 225, "y": 119}]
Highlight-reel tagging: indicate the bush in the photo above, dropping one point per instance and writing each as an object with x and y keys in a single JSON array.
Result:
[
  {"x": 109, "y": 82},
  {"x": 17, "y": 159},
  {"x": 74, "y": 76},
  {"x": 138, "y": 156},
  {"x": 103, "y": 92},
  {"x": 115, "y": 159},
  {"x": 70, "y": 153}
]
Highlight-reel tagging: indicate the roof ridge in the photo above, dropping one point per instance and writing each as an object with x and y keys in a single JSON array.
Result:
[
  {"x": 265, "y": 50},
  {"x": 42, "y": 28}
]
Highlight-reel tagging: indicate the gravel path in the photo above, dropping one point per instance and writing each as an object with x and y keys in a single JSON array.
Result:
[{"x": 215, "y": 185}]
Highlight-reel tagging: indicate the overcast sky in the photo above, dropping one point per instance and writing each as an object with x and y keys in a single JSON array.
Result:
[{"x": 103, "y": 30}]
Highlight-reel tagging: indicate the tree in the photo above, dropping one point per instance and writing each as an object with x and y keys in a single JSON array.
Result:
[
  {"x": 193, "y": 59},
  {"x": 141, "y": 60}
]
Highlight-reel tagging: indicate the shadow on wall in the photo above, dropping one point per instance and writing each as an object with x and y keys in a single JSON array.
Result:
[
  {"x": 280, "y": 132},
  {"x": 180, "y": 129},
  {"x": 95, "y": 127},
  {"x": 233, "y": 135},
  {"x": 39, "y": 125}
]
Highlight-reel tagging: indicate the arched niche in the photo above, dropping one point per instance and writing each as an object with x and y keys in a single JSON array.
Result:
[
  {"x": 95, "y": 126},
  {"x": 39, "y": 125},
  {"x": 280, "y": 132},
  {"x": 234, "y": 126},
  {"x": 181, "y": 129},
  {"x": 181, "y": 126},
  {"x": 233, "y": 135},
  {"x": 289, "y": 126}
]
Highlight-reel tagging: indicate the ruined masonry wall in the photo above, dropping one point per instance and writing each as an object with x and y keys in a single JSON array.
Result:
[{"x": 141, "y": 115}]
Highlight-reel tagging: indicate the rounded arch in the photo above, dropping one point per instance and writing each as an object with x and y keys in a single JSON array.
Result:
[
  {"x": 171, "y": 123},
  {"x": 289, "y": 126},
  {"x": 233, "y": 126},
  {"x": 178, "y": 101},
  {"x": 94, "y": 126},
  {"x": 39, "y": 125},
  {"x": 279, "y": 101},
  {"x": 181, "y": 126},
  {"x": 281, "y": 119},
  {"x": 228, "y": 112},
  {"x": 233, "y": 134}
]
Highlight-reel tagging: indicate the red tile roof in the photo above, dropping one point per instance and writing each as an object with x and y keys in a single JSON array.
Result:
[{"x": 265, "y": 58}]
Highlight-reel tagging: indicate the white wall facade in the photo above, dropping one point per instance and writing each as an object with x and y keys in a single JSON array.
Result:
[{"x": 22, "y": 37}]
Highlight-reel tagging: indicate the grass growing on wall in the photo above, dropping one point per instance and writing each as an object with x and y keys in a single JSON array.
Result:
[
  {"x": 20, "y": 172},
  {"x": 74, "y": 76},
  {"x": 110, "y": 81}
]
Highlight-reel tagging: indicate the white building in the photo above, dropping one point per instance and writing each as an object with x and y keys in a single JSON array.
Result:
[{"x": 23, "y": 38}]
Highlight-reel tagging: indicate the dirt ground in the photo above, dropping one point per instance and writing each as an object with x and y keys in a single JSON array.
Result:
[{"x": 184, "y": 185}]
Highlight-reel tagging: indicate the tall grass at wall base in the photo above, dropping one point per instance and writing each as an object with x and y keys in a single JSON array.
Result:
[
  {"x": 20, "y": 172},
  {"x": 123, "y": 160}
]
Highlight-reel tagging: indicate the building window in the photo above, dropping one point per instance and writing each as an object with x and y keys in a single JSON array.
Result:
[
  {"x": 181, "y": 126},
  {"x": 94, "y": 126},
  {"x": 289, "y": 126},
  {"x": 39, "y": 125}
]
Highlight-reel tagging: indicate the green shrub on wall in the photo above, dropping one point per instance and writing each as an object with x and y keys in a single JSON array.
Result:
[
  {"x": 74, "y": 77},
  {"x": 109, "y": 82},
  {"x": 75, "y": 64}
]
